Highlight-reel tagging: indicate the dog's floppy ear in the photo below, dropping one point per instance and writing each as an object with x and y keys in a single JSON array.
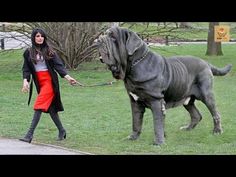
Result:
[{"x": 133, "y": 42}]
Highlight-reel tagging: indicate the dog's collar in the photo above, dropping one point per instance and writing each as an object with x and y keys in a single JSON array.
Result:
[{"x": 140, "y": 59}]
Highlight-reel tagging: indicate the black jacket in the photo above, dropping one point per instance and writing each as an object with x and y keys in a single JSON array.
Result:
[{"x": 54, "y": 65}]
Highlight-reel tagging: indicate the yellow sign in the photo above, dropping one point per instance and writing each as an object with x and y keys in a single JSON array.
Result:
[{"x": 222, "y": 33}]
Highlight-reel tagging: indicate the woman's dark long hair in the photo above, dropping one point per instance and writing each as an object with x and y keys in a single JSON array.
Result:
[{"x": 43, "y": 49}]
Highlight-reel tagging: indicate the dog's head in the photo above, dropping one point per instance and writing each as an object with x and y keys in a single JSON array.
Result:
[{"x": 115, "y": 47}]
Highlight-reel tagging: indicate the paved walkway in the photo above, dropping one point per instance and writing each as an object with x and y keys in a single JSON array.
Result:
[{"x": 17, "y": 147}]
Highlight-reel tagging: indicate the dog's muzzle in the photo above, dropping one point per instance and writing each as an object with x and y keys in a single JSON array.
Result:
[
  {"x": 115, "y": 71},
  {"x": 113, "y": 68}
]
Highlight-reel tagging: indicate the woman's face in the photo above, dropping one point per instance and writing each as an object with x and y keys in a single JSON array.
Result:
[{"x": 39, "y": 38}]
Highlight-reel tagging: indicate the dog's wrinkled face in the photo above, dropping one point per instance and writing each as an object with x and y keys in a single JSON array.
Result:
[
  {"x": 108, "y": 54},
  {"x": 115, "y": 47}
]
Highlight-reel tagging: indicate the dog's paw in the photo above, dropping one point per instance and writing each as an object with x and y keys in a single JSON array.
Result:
[
  {"x": 217, "y": 131},
  {"x": 132, "y": 137},
  {"x": 186, "y": 127},
  {"x": 159, "y": 144}
]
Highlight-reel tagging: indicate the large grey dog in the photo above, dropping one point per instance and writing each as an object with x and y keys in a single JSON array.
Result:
[{"x": 156, "y": 82}]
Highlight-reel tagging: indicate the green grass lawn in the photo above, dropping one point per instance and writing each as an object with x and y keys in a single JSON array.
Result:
[{"x": 98, "y": 119}]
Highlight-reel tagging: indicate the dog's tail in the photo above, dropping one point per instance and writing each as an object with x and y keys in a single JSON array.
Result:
[{"x": 220, "y": 71}]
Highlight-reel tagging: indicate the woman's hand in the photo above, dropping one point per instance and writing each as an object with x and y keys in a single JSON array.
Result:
[
  {"x": 25, "y": 87},
  {"x": 71, "y": 80}
]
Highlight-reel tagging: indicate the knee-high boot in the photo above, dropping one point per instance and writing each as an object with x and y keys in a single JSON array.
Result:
[
  {"x": 55, "y": 117},
  {"x": 29, "y": 135}
]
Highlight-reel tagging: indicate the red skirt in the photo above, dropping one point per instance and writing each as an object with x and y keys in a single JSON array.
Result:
[{"x": 46, "y": 94}]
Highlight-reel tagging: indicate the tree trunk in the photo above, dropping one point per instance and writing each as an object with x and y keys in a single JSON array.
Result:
[
  {"x": 213, "y": 48},
  {"x": 2, "y": 40}
]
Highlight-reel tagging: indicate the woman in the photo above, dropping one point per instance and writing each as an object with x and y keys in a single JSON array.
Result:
[{"x": 41, "y": 62}]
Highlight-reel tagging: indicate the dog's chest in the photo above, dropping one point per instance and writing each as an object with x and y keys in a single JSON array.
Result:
[
  {"x": 132, "y": 91},
  {"x": 139, "y": 92}
]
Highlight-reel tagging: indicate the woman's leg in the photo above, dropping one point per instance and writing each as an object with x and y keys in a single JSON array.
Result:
[
  {"x": 29, "y": 135},
  {"x": 55, "y": 117}
]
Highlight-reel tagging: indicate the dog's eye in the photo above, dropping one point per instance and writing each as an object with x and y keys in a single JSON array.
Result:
[{"x": 111, "y": 35}]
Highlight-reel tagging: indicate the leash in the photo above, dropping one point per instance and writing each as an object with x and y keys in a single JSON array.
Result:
[{"x": 94, "y": 85}]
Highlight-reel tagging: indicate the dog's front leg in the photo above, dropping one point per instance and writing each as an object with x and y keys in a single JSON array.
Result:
[
  {"x": 137, "y": 118},
  {"x": 158, "y": 120}
]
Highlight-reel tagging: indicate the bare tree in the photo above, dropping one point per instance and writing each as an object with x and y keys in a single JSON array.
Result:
[
  {"x": 71, "y": 40},
  {"x": 213, "y": 48}
]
